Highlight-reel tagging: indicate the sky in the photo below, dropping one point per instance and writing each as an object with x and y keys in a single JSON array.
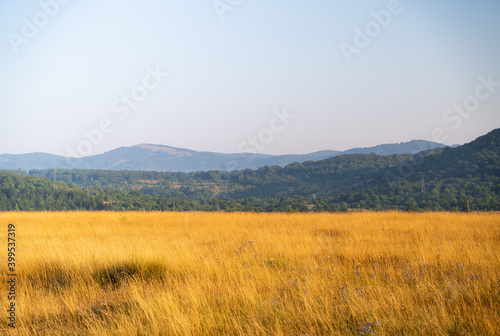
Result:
[{"x": 83, "y": 77}]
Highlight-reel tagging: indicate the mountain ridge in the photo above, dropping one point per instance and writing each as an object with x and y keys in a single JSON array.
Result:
[
  {"x": 153, "y": 157},
  {"x": 465, "y": 178}
]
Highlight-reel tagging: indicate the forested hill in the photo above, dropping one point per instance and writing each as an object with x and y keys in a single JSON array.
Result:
[{"x": 439, "y": 179}]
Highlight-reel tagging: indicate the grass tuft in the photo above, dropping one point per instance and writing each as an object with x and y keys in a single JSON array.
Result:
[{"x": 116, "y": 275}]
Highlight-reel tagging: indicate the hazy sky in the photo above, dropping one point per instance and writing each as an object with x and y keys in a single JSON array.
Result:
[{"x": 351, "y": 73}]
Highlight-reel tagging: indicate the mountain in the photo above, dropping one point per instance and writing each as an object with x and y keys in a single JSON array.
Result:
[
  {"x": 148, "y": 157},
  {"x": 412, "y": 147},
  {"x": 473, "y": 167},
  {"x": 451, "y": 179},
  {"x": 448, "y": 178},
  {"x": 25, "y": 161}
]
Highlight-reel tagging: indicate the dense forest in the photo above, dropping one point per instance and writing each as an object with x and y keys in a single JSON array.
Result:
[{"x": 439, "y": 179}]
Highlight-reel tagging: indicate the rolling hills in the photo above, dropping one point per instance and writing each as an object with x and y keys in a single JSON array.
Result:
[
  {"x": 436, "y": 179},
  {"x": 148, "y": 157}
]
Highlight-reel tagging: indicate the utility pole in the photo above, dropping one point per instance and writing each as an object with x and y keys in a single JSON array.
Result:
[
  {"x": 423, "y": 185},
  {"x": 468, "y": 206},
  {"x": 54, "y": 175}
]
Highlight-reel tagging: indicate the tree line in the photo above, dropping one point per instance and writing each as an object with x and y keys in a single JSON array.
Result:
[{"x": 436, "y": 180}]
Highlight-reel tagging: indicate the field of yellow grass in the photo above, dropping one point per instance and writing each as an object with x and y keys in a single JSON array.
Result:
[{"x": 253, "y": 274}]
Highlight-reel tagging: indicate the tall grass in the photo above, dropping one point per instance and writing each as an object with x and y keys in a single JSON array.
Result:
[{"x": 255, "y": 274}]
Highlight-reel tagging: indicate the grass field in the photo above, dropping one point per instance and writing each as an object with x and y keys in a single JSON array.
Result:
[{"x": 253, "y": 274}]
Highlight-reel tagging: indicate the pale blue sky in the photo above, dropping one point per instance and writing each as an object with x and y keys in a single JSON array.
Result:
[{"x": 227, "y": 76}]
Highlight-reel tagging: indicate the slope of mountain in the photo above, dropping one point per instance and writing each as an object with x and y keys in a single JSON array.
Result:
[
  {"x": 477, "y": 162},
  {"x": 451, "y": 177},
  {"x": 411, "y": 147},
  {"x": 444, "y": 179},
  {"x": 147, "y": 157},
  {"x": 26, "y": 161}
]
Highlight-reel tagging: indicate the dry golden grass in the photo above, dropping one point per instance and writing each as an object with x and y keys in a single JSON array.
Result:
[{"x": 255, "y": 274}]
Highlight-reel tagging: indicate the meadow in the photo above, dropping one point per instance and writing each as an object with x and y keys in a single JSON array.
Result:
[{"x": 137, "y": 273}]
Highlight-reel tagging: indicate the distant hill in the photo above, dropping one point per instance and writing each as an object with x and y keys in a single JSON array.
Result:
[
  {"x": 451, "y": 179},
  {"x": 412, "y": 147},
  {"x": 147, "y": 157}
]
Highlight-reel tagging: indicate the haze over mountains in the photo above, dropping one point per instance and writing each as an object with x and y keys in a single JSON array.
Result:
[
  {"x": 452, "y": 179},
  {"x": 148, "y": 157}
]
